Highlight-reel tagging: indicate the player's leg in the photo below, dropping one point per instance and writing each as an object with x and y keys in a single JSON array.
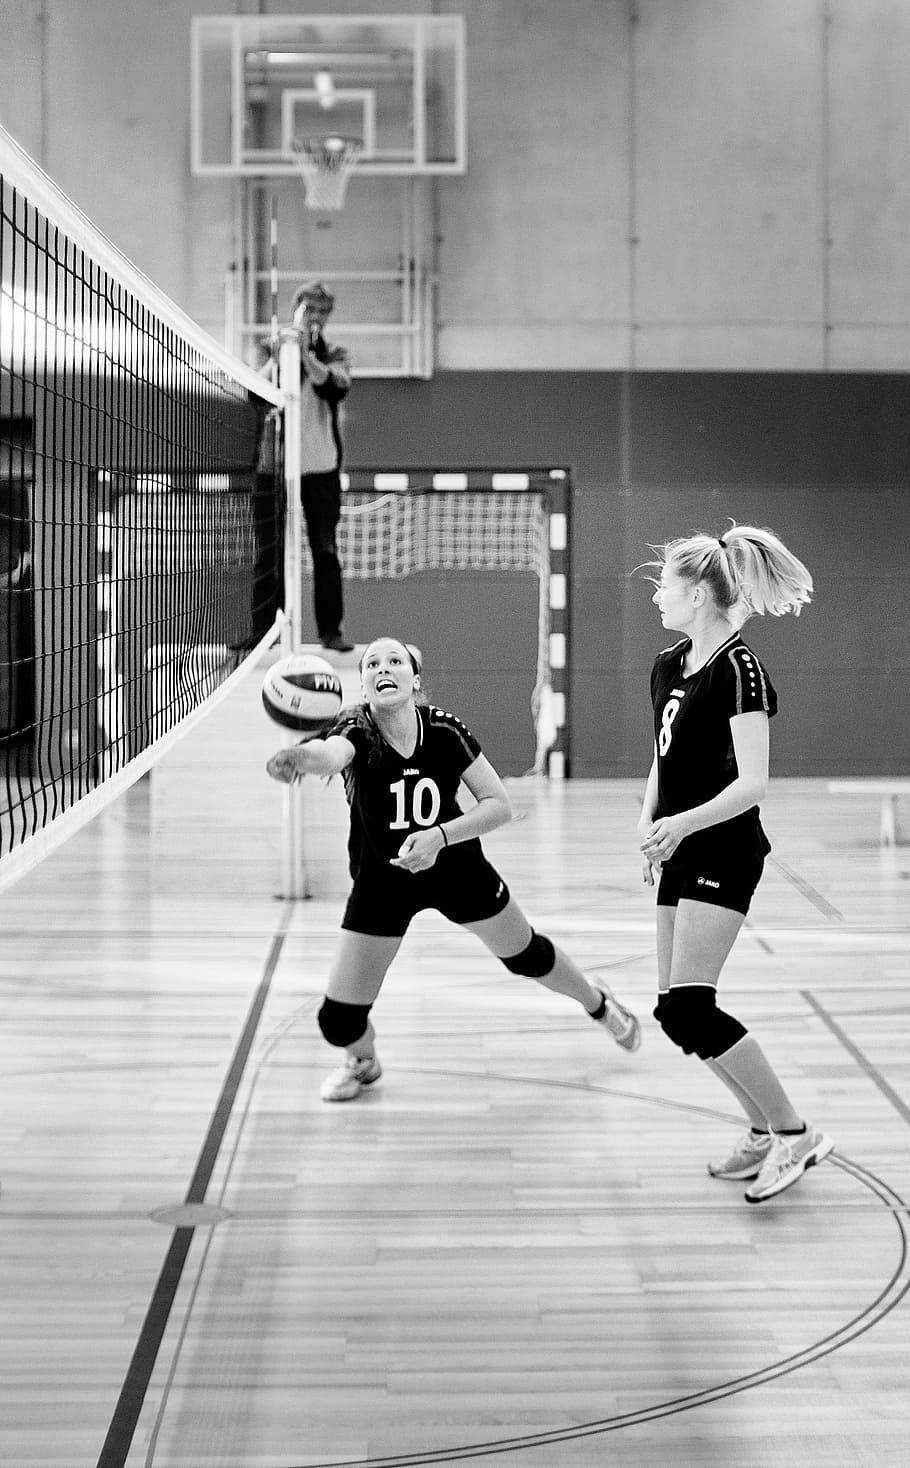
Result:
[
  {"x": 703, "y": 938},
  {"x": 749, "y": 1151},
  {"x": 666, "y": 927},
  {"x": 358, "y": 968},
  {"x": 509, "y": 936},
  {"x": 780, "y": 1145},
  {"x": 321, "y": 495}
]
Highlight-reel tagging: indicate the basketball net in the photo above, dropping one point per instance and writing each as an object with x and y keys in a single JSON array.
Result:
[{"x": 325, "y": 165}]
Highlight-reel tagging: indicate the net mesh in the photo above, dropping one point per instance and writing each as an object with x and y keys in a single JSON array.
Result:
[
  {"x": 325, "y": 165},
  {"x": 393, "y": 535},
  {"x": 140, "y": 513}
]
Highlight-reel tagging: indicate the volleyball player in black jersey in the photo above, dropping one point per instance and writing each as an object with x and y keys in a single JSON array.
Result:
[
  {"x": 411, "y": 847},
  {"x": 700, "y": 825}
]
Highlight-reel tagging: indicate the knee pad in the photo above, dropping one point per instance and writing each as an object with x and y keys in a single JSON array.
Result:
[
  {"x": 689, "y": 1016},
  {"x": 535, "y": 961},
  {"x": 343, "y": 1024},
  {"x": 663, "y": 999}
]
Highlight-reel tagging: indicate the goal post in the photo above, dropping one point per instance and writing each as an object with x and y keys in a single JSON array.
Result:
[{"x": 398, "y": 522}]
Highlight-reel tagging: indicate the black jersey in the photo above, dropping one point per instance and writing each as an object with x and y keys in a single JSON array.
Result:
[
  {"x": 695, "y": 756},
  {"x": 392, "y": 795}
]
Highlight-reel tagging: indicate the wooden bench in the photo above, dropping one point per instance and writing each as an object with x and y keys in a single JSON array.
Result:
[{"x": 888, "y": 791}]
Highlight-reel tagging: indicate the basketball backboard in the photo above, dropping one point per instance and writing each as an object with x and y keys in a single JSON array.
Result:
[{"x": 395, "y": 81}]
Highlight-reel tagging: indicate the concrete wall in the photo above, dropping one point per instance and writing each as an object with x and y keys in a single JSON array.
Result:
[
  {"x": 823, "y": 459},
  {"x": 682, "y": 184},
  {"x": 677, "y": 262}
]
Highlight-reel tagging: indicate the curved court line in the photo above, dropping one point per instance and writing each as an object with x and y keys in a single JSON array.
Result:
[{"x": 890, "y": 1295}]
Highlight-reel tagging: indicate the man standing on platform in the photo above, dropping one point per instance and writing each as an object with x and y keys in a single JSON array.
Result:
[{"x": 325, "y": 383}]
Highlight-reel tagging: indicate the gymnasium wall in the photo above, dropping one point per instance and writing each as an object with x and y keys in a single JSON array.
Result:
[
  {"x": 824, "y": 459},
  {"x": 658, "y": 185},
  {"x": 677, "y": 262}
]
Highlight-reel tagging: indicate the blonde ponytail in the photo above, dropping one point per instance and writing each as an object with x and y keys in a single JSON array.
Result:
[
  {"x": 769, "y": 576},
  {"x": 748, "y": 571}
]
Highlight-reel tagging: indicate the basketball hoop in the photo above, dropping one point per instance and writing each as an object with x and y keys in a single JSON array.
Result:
[{"x": 325, "y": 165}]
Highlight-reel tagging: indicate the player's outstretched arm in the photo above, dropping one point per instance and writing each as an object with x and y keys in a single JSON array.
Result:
[{"x": 314, "y": 757}]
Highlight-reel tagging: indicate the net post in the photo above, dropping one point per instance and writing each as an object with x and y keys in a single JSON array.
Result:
[
  {"x": 273, "y": 275},
  {"x": 294, "y": 875},
  {"x": 289, "y": 384}
]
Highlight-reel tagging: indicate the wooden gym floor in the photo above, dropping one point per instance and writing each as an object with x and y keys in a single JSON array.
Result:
[{"x": 509, "y": 1250}]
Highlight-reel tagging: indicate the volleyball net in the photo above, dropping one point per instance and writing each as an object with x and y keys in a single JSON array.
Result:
[{"x": 141, "y": 517}]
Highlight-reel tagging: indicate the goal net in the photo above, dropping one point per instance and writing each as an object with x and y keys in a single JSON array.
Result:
[{"x": 396, "y": 525}]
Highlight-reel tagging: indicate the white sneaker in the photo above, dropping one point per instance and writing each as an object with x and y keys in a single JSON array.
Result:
[
  {"x": 745, "y": 1161},
  {"x": 788, "y": 1158},
  {"x": 346, "y": 1082},
  {"x": 619, "y": 1021}
]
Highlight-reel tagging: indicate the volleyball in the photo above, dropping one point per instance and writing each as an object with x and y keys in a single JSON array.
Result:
[{"x": 302, "y": 692}]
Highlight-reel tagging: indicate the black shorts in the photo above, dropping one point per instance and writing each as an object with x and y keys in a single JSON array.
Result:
[
  {"x": 384, "y": 903},
  {"x": 722, "y": 881}
]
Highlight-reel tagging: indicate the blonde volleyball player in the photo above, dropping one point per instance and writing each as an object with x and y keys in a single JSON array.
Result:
[
  {"x": 700, "y": 827},
  {"x": 411, "y": 847}
]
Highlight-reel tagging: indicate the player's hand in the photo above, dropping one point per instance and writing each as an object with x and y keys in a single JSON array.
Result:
[
  {"x": 662, "y": 838},
  {"x": 287, "y": 765},
  {"x": 649, "y": 869},
  {"x": 418, "y": 852}
]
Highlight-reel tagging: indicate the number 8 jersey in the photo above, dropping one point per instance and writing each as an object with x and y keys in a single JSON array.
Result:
[
  {"x": 695, "y": 756},
  {"x": 391, "y": 794}
]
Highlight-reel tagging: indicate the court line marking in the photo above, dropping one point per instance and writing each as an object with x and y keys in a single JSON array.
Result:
[
  {"x": 125, "y": 1420},
  {"x": 826, "y": 908},
  {"x": 888, "y": 1297},
  {"x": 862, "y": 1060},
  {"x": 118, "y": 1441},
  {"x": 269, "y": 1044}
]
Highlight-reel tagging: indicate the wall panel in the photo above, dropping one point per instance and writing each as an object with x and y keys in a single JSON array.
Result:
[
  {"x": 870, "y": 187},
  {"x": 648, "y": 186},
  {"x": 728, "y": 164},
  {"x": 820, "y": 459}
]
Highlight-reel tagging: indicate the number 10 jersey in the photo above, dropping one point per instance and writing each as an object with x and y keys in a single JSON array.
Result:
[{"x": 392, "y": 795}]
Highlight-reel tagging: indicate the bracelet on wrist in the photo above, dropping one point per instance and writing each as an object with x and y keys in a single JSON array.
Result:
[{"x": 443, "y": 833}]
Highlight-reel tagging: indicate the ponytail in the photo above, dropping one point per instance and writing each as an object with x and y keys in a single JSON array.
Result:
[
  {"x": 770, "y": 577},
  {"x": 749, "y": 571}
]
